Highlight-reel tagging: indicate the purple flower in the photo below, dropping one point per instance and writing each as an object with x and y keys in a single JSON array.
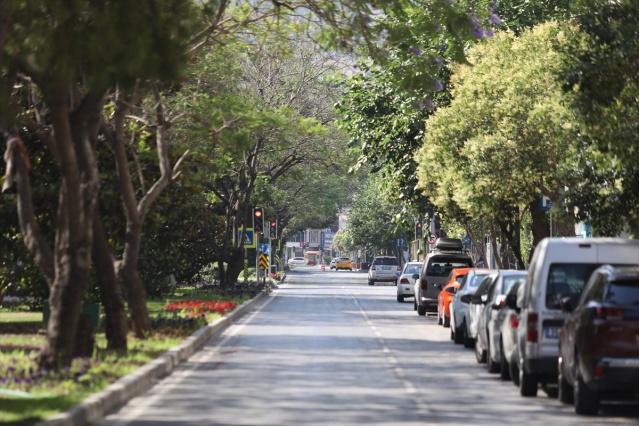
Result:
[
  {"x": 438, "y": 62},
  {"x": 437, "y": 27},
  {"x": 488, "y": 33},
  {"x": 493, "y": 19},
  {"x": 426, "y": 104},
  {"x": 493, "y": 5},
  {"x": 416, "y": 51},
  {"x": 478, "y": 32},
  {"x": 438, "y": 85}
]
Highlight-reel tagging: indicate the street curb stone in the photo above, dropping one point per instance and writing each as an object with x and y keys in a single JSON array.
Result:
[{"x": 98, "y": 405}]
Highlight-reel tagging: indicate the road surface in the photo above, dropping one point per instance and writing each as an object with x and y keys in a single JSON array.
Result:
[{"x": 327, "y": 349}]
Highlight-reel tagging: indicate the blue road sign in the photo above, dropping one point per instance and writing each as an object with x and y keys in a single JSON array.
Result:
[{"x": 265, "y": 248}]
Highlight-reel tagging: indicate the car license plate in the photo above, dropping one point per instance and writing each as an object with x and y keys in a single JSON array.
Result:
[
  {"x": 552, "y": 332},
  {"x": 386, "y": 268}
]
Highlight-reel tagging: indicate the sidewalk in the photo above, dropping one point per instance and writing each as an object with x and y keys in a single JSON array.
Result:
[{"x": 98, "y": 405}]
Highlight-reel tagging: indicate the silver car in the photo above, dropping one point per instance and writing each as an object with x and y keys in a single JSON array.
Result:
[
  {"x": 459, "y": 318},
  {"x": 508, "y": 319},
  {"x": 406, "y": 281},
  {"x": 385, "y": 269},
  {"x": 488, "y": 340}
]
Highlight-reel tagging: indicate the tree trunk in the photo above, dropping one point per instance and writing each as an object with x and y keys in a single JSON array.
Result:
[
  {"x": 493, "y": 244},
  {"x": 111, "y": 296},
  {"x": 540, "y": 227},
  {"x": 135, "y": 294},
  {"x": 74, "y": 236},
  {"x": 479, "y": 245},
  {"x": 235, "y": 266}
]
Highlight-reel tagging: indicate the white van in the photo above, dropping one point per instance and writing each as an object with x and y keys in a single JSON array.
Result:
[{"x": 559, "y": 268}]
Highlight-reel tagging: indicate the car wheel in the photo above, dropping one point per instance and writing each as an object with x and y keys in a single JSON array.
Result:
[
  {"x": 527, "y": 384},
  {"x": 458, "y": 335},
  {"x": 504, "y": 369},
  {"x": 492, "y": 366},
  {"x": 480, "y": 353},
  {"x": 400, "y": 298},
  {"x": 452, "y": 334},
  {"x": 414, "y": 303},
  {"x": 439, "y": 319},
  {"x": 446, "y": 321},
  {"x": 371, "y": 282},
  {"x": 351, "y": 269},
  {"x": 551, "y": 391},
  {"x": 514, "y": 372},
  {"x": 421, "y": 310},
  {"x": 586, "y": 399},
  {"x": 565, "y": 391},
  {"x": 467, "y": 340}
]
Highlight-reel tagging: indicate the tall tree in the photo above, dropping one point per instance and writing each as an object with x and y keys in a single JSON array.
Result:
[
  {"x": 80, "y": 54},
  {"x": 501, "y": 143},
  {"x": 603, "y": 174}
]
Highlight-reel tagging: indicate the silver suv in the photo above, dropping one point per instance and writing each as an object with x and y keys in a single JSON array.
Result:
[
  {"x": 384, "y": 268},
  {"x": 447, "y": 254}
]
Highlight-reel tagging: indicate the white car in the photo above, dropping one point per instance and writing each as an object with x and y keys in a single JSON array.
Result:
[
  {"x": 297, "y": 261},
  {"x": 459, "y": 317},
  {"x": 406, "y": 282},
  {"x": 333, "y": 262}
]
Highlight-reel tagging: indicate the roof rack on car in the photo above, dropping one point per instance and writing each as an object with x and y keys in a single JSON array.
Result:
[{"x": 449, "y": 245}]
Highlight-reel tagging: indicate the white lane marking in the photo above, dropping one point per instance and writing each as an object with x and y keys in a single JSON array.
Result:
[
  {"x": 177, "y": 376},
  {"x": 399, "y": 372}
]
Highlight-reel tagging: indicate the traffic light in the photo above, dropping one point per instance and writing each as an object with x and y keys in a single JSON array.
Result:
[
  {"x": 273, "y": 229},
  {"x": 258, "y": 220},
  {"x": 419, "y": 232}
]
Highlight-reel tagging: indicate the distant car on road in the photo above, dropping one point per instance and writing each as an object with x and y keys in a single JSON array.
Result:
[
  {"x": 384, "y": 268},
  {"x": 343, "y": 263},
  {"x": 333, "y": 262},
  {"x": 297, "y": 261}
]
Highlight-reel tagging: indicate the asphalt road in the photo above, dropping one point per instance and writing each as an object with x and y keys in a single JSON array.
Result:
[{"x": 327, "y": 349}]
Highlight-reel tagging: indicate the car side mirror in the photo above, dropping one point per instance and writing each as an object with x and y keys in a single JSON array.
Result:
[
  {"x": 511, "y": 301},
  {"x": 475, "y": 300},
  {"x": 415, "y": 276},
  {"x": 496, "y": 306},
  {"x": 438, "y": 286}
]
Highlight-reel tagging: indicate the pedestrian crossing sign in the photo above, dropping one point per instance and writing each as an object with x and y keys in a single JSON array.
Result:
[{"x": 248, "y": 239}]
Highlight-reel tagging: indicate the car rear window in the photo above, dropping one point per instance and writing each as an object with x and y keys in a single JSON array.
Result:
[
  {"x": 344, "y": 259},
  {"x": 386, "y": 261},
  {"x": 441, "y": 266},
  {"x": 412, "y": 269},
  {"x": 623, "y": 293},
  {"x": 566, "y": 279}
]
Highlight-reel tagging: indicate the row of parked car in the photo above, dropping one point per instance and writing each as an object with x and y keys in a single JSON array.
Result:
[{"x": 568, "y": 325}]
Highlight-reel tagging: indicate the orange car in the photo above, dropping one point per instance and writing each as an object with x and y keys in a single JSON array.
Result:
[{"x": 447, "y": 293}]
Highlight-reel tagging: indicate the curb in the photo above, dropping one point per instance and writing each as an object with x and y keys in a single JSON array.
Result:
[{"x": 96, "y": 406}]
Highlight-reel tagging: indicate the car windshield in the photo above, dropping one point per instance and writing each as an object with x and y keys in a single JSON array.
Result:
[
  {"x": 509, "y": 282},
  {"x": 566, "y": 279},
  {"x": 412, "y": 269},
  {"x": 441, "y": 266},
  {"x": 474, "y": 280}
]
